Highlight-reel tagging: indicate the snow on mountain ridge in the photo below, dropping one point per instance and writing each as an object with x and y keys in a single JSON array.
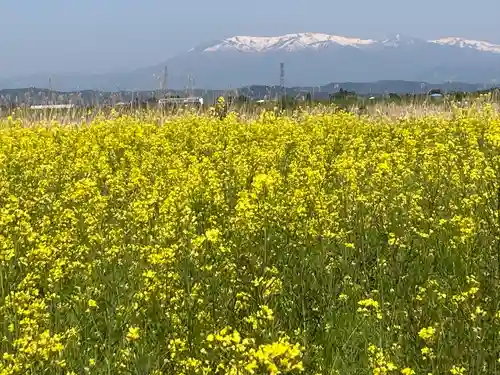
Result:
[
  {"x": 465, "y": 43},
  {"x": 288, "y": 42},
  {"x": 299, "y": 41},
  {"x": 397, "y": 41}
]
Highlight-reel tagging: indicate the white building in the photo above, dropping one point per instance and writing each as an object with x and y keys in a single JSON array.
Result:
[
  {"x": 53, "y": 106},
  {"x": 181, "y": 101}
]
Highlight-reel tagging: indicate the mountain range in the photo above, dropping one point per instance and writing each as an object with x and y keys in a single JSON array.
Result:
[{"x": 310, "y": 59}]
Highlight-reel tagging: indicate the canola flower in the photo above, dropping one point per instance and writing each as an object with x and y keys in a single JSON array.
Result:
[
  {"x": 427, "y": 333},
  {"x": 314, "y": 243}
]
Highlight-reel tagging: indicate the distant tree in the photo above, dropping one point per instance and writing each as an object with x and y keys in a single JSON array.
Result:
[
  {"x": 341, "y": 94},
  {"x": 308, "y": 98},
  {"x": 286, "y": 101},
  {"x": 242, "y": 99},
  {"x": 495, "y": 93},
  {"x": 283, "y": 103},
  {"x": 459, "y": 96}
]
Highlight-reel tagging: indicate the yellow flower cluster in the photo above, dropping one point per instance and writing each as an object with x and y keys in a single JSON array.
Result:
[
  {"x": 379, "y": 363},
  {"x": 369, "y": 307},
  {"x": 273, "y": 245}
]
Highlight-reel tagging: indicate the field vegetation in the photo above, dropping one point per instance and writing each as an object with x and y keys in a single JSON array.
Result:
[{"x": 315, "y": 243}]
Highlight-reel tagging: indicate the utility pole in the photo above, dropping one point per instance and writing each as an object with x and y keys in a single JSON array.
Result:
[
  {"x": 164, "y": 81},
  {"x": 190, "y": 84},
  {"x": 282, "y": 80},
  {"x": 187, "y": 89},
  {"x": 50, "y": 90}
]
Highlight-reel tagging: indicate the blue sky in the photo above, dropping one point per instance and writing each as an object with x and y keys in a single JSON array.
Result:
[{"x": 109, "y": 35}]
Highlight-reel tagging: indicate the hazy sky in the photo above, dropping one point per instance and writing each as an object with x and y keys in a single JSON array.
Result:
[{"x": 109, "y": 35}]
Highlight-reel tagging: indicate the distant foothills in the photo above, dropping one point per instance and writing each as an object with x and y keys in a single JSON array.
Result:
[{"x": 40, "y": 96}]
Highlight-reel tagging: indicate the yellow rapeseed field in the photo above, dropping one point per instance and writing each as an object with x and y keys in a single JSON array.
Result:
[{"x": 311, "y": 243}]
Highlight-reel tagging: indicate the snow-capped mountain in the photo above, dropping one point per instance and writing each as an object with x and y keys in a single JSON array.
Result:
[
  {"x": 316, "y": 58},
  {"x": 478, "y": 45},
  {"x": 310, "y": 59},
  {"x": 300, "y": 41},
  {"x": 288, "y": 42}
]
